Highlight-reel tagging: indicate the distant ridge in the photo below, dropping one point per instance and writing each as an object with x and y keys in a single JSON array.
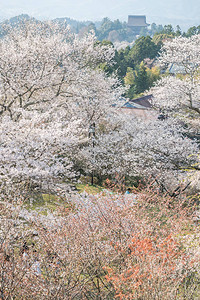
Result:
[
  {"x": 18, "y": 19},
  {"x": 175, "y": 12},
  {"x": 71, "y": 22},
  {"x": 15, "y": 22}
]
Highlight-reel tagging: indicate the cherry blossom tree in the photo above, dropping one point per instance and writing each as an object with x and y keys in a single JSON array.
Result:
[
  {"x": 136, "y": 148},
  {"x": 179, "y": 96},
  {"x": 41, "y": 64},
  {"x": 51, "y": 92}
]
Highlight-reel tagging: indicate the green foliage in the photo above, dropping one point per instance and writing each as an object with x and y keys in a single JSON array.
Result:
[
  {"x": 88, "y": 188},
  {"x": 168, "y": 29},
  {"x": 158, "y": 39},
  {"x": 144, "y": 31},
  {"x": 155, "y": 29},
  {"x": 107, "y": 26},
  {"x": 178, "y": 31},
  {"x": 92, "y": 27},
  {"x": 129, "y": 65},
  {"x": 122, "y": 33},
  {"x": 129, "y": 79},
  {"x": 42, "y": 203},
  {"x": 193, "y": 30},
  {"x": 123, "y": 61},
  {"x": 153, "y": 75},
  {"x": 140, "y": 79},
  {"x": 143, "y": 48},
  {"x": 128, "y": 62}
]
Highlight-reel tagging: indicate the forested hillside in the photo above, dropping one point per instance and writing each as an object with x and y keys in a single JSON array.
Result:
[{"x": 97, "y": 202}]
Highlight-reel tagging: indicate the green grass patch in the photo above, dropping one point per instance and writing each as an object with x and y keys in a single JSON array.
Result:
[
  {"x": 43, "y": 203},
  {"x": 90, "y": 189}
]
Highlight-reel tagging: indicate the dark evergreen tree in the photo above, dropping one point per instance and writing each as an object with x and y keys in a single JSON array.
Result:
[
  {"x": 141, "y": 79},
  {"x": 143, "y": 48}
]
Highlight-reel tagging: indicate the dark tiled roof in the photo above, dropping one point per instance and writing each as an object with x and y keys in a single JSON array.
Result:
[
  {"x": 137, "y": 21},
  {"x": 144, "y": 101},
  {"x": 176, "y": 69},
  {"x": 133, "y": 105}
]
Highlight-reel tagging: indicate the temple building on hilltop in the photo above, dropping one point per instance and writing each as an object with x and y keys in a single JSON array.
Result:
[{"x": 137, "y": 23}]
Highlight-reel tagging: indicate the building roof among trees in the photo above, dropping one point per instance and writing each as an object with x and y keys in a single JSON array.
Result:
[
  {"x": 176, "y": 69},
  {"x": 139, "y": 103},
  {"x": 133, "y": 105},
  {"x": 144, "y": 101},
  {"x": 137, "y": 21}
]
